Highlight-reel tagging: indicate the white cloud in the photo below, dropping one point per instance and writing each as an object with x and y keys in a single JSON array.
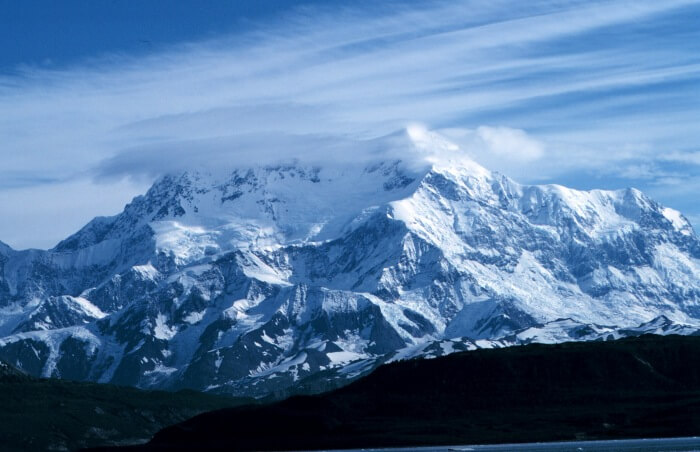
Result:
[
  {"x": 329, "y": 84},
  {"x": 486, "y": 142},
  {"x": 692, "y": 158},
  {"x": 510, "y": 143}
]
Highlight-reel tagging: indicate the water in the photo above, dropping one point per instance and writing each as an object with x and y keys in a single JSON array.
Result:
[{"x": 627, "y": 445}]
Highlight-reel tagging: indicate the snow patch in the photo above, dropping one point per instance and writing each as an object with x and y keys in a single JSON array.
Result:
[{"x": 161, "y": 330}]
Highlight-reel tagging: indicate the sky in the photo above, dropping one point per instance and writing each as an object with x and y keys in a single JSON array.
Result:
[{"x": 98, "y": 98}]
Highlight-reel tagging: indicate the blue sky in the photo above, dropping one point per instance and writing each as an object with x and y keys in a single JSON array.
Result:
[
  {"x": 97, "y": 98},
  {"x": 48, "y": 33}
]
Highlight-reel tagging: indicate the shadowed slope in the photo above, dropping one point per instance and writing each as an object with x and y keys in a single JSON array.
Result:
[
  {"x": 50, "y": 414},
  {"x": 641, "y": 387}
]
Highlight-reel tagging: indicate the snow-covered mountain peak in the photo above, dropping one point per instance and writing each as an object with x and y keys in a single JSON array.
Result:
[
  {"x": 273, "y": 205},
  {"x": 196, "y": 214},
  {"x": 441, "y": 154},
  {"x": 254, "y": 278},
  {"x": 253, "y": 206},
  {"x": 278, "y": 205}
]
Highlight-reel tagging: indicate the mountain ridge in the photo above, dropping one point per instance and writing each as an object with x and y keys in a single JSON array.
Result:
[
  {"x": 256, "y": 279},
  {"x": 90, "y": 414},
  {"x": 646, "y": 387}
]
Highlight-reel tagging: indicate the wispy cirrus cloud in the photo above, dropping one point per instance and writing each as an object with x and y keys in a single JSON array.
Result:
[
  {"x": 544, "y": 90},
  {"x": 691, "y": 157}
]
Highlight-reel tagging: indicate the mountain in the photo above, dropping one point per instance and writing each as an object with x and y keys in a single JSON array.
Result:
[
  {"x": 646, "y": 387},
  {"x": 268, "y": 278},
  {"x": 53, "y": 414},
  {"x": 8, "y": 372}
]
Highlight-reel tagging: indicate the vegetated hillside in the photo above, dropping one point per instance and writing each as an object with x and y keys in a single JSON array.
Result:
[
  {"x": 637, "y": 387},
  {"x": 49, "y": 414}
]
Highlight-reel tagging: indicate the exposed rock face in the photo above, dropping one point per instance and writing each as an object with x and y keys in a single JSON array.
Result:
[{"x": 254, "y": 281}]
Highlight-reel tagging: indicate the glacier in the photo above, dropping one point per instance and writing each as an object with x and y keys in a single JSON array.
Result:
[{"x": 265, "y": 278}]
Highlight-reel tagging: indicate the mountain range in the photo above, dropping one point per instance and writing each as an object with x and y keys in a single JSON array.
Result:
[{"x": 265, "y": 279}]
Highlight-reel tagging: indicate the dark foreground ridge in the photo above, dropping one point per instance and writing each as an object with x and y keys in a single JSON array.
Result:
[
  {"x": 50, "y": 414},
  {"x": 641, "y": 387}
]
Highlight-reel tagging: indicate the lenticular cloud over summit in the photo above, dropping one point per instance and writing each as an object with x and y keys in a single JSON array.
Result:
[{"x": 415, "y": 146}]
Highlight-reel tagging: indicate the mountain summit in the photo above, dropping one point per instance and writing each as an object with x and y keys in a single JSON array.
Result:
[{"x": 262, "y": 278}]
